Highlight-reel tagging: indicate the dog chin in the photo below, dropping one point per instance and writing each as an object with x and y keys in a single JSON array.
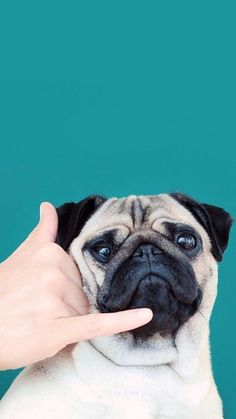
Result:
[{"x": 123, "y": 349}]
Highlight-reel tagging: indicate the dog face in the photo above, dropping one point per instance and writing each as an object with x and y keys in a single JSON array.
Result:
[{"x": 156, "y": 251}]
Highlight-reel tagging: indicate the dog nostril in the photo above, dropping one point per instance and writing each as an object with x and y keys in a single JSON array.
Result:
[
  {"x": 138, "y": 252},
  {"x": 147, "y": 249},
  {"x": 156, "y": 250}
]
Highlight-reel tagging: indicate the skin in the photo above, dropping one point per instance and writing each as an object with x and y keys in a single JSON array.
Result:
[{"x": 42, "y": 306}]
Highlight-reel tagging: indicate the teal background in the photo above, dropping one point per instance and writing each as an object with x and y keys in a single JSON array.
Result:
[{"x": 120, "y": 98}]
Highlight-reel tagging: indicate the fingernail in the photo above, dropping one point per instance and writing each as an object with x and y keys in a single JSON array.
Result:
[
  {"x": 41, "y": 209},
  {"x": 145, "y": 314}
]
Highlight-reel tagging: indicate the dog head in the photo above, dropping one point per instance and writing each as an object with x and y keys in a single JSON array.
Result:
[{"x": 156, "y": 251}]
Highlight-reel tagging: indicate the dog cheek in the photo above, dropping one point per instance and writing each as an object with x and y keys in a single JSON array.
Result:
[{"x": 205, "y": 269}]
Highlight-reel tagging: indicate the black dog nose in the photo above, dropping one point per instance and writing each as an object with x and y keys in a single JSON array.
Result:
[{"x": 146, "y": 250}]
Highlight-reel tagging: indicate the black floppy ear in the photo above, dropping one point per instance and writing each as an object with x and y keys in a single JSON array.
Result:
[
  {"x": 216, "y": 221},
  {"x": 73, "y": 216}
]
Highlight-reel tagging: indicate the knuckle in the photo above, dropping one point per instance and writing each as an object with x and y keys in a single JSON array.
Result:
[
  {"x": 56, "y": 250},
  {"x": 51, "y": 277},
  {"x": 48, "y": 308},
  {"x": 42, "y": 253},
  {"x": 52, "y": 303},
  {"x": 49, "y": 250}
]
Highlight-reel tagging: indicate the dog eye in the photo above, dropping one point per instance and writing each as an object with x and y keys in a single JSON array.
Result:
[
  {"x": 102, "y": 252},
  {"x": 186, "y": 241}
]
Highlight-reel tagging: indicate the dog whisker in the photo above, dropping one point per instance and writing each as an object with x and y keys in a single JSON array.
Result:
[{"x": 199, "y": 311}]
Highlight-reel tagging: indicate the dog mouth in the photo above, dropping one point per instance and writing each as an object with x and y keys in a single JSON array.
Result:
[
  {"x": 129, "y": 300},
  {"x": 155, "y": 290},
  {"x": 169, "y": 313}
]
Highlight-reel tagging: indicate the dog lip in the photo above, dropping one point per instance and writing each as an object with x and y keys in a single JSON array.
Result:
[
  {"x": 103, "y": 305},
  {"x": 176, "y": 287},
  {"x": 151, "y": 274}
]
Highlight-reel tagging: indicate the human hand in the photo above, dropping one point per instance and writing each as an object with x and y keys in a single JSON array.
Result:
[{"x": 42, "y": 305}]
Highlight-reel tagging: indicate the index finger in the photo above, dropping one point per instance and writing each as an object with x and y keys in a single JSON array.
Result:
[{"x": 78, "y": 328}]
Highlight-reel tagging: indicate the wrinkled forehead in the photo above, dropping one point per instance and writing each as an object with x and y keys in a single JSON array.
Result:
[{"x": 137, "y": 212}]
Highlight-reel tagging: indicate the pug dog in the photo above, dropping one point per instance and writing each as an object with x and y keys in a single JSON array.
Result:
[{"x": 157, "y": 251}]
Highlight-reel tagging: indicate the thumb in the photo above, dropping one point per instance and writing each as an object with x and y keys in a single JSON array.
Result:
[{"x": 46, "y": 230}]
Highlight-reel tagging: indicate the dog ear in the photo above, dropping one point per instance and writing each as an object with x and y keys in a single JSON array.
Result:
[
  {"x": 216, "y": 221},
  {"x": 73, "y": 216}
]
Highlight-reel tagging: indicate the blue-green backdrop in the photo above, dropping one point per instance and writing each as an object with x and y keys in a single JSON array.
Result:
[{"x": 120, "y": 98}]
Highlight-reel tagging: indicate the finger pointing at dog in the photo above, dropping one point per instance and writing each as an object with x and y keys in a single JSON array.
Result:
[{"x": 42, "y": 305}]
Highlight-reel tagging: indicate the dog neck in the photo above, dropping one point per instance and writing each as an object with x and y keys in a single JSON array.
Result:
[{"x": 188, "y": 355}]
